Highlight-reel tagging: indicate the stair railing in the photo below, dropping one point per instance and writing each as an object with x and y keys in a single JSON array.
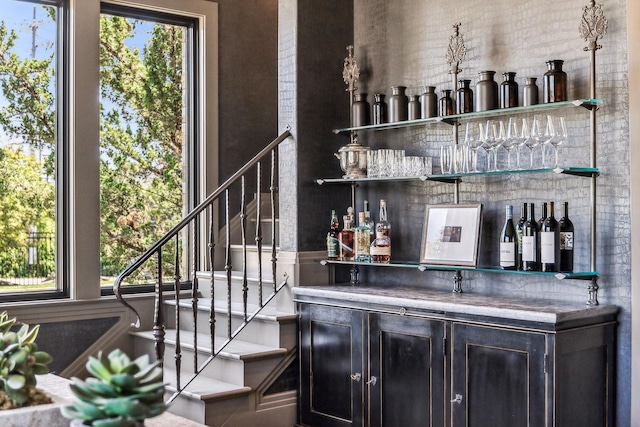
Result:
[{"x": 190, "y": 224}]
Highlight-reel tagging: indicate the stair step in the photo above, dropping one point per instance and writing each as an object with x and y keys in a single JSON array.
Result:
[
  {"x": 221, "y": 287},
  {"x": 205, "y": 388}
]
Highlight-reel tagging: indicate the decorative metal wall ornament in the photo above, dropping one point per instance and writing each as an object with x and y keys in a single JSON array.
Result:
[
  {"x": 456, "y": 50},
  {"x": 593, "y": 25},
  {"x": 351, "y": 71}
]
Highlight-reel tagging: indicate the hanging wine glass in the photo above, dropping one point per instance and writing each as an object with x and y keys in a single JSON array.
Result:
[
  {"x": 473, "y": 140},
  {"x": 559, "y": 137},
  {"x": 529, "y": 142}
]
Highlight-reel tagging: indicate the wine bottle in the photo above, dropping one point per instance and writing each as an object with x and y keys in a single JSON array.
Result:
[
  {"x": 519, "y": 227},
  {"x": 383, "y": 222},
  {"x": 566, "y": 241},
  {"x": 362, "y": 239},
  {"x": 540, "y": 222},
  {"x": 346, "y": 239},
  {"x": 549, "y": 242},
  {"x": 508, "y": 242},
  {"x": 529, "y": 241},
  {"x": 332, "y": 237}
]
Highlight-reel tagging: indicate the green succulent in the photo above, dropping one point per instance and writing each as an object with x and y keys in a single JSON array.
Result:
[
  {"x": 120, "y": 392},
  {"x": 20, "y": 360}
]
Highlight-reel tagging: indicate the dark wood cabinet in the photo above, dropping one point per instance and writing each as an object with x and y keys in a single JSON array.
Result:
[{"x": 372, "y": 358}]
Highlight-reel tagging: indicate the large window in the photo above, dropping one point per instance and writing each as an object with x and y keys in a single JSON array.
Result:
[{"x": 101, "y": 135}]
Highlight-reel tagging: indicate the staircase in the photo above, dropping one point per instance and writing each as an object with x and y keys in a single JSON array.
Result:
[{"x": 242, "y": 372}]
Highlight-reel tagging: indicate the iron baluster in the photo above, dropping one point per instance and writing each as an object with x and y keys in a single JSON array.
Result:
[
  {"x": 272, "y": 193},
  {"x": 176, "y": 289},
  {"x": 259, "y": 228},
  {"x": 158, "y": 321},
  {"x": 228, "y": 266},
  {"x": 194, "y": 291},
  {"x": 243, "y": 233},
  {"x": 212, "y": 311}
]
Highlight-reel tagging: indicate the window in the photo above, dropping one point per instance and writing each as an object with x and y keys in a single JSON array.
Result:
[{"x": 112, "y": 148}]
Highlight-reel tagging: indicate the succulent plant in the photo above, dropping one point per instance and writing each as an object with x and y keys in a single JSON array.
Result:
[
  {"x": 20, "y": 360},
  {"x": 120, "y": 392}
]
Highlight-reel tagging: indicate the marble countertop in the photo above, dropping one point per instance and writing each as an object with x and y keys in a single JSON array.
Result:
[{"x": 410, "y": 298}]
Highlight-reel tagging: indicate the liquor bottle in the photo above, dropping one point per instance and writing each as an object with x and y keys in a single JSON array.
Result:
[
  {"x": 346, "y": 239},
  {"x": 332, "y": 237},
  {"x": 519, "y": 227},
  {"x": 549, "y": 242},
  {"x": 380, "y": 250},
  {"x": 566, "y": 241},
  {"x": 529, "y": 242},
  {"x": 362, "y": 239},
  {"x": 383, "y": 223},
  {"x": 508, "y": 242},
  {"x": 369, "y": 221}
]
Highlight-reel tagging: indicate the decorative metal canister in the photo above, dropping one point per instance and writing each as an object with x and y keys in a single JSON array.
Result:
[
  {"x": 486, "y": 91},
  {"x": 361, "y": 110},
  {"x": 414, "y": 107},
  {"x": 509, "y": 90},
  {"x": 464, "y": 97},
  {"x": 530, "y": 92},
  {"x": 398, "y": 104},
  {"x": 555, "y": 82},
  {"x": 429, "y": 103},
  {"x": 379, "y": 109}
]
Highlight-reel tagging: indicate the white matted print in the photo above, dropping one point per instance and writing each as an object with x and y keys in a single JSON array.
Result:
[{"x": 451, "y": 235}]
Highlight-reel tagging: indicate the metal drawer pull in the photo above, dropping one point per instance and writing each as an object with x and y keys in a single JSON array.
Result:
[
  {"x": 372, "y": 381},
  {"x": 458, "y": 399},
  {"x": 356, "y": 377}
]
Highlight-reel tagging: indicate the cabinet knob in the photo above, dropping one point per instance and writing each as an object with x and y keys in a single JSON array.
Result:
[
  {"x": 356, "y": 377},
  {"x": 458, "y": 399},
  {"x": 372, "y": 381}
]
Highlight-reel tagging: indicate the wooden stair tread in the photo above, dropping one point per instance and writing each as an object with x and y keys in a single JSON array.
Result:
[{"x": 205, "y": 388}]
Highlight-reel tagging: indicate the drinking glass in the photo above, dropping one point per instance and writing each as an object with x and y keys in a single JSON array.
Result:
[
  {"x": 473, "y": 140},
  {"x": 511, "y": 139},
  {"x": 520, "y": 140},
  {"x": 372, "y": 163},
  {"x": 500, "y": 134},
  {"x": 530, "y": 142},
  {"x": 541, "y": 134},
  {"x": 560, "y": 135},
  {"x": 446, "y": 159}
]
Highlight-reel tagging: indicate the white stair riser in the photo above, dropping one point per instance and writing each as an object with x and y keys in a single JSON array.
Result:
[
  {"x": 237, "y": 261},
  {"x": 221, "y": 288}
]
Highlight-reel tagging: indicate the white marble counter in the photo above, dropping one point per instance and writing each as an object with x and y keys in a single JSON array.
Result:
[{"x": 409, "y": 298}]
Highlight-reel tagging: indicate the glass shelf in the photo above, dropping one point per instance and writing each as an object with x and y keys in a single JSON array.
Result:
[
  {"x": 576, "y": 171},
  {"x": 580, "y": 275},
  {"x": 589, "y": 104}
]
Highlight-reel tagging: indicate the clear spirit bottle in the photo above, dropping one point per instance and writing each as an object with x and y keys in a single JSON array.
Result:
[
  {"x": 362, "y": 239},
  {"x": 380, "y": 250}
]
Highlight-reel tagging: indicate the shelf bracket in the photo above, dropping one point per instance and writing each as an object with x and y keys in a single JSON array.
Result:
[
  {"x": 593, "y": 292},
  {"x": 354, "y": 273},
  {"x": 457, "y": 282}
]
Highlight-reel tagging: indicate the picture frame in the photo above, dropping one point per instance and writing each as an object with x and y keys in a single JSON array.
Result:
[{"x": 451, "y": 235}]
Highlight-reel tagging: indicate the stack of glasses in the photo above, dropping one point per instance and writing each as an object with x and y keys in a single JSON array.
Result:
[{"x": 388, "y": 163}]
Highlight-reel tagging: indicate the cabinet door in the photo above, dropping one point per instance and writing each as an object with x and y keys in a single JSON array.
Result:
[
  {"x": 407, "y": 360},
  {"x": 331, "y": 343},
  {"x": 498, "y": 377}
]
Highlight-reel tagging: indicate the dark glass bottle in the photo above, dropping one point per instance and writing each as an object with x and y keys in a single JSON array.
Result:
[
  {"x": 549, "y": 242},
  {"x": 379, "y": 109},
  {"x": 508, "y": 90},
  {"x": 540, "y": 222},
  {"x": 554, "y": 82},
  {"x": 508, "y": 242},
  {"x": 398, "y": 104},
  {"x": 333, "y": 244},
  {"x": 566, "y": 241},
  {"x": 486, "y": 91},
  {"x": 529, "y": 242},
  {"x": 361, "y": 110},
  {"x": 429, "y": 103},
  {"x": 519, "y": 228},
  {"x": 346, "y": 239},
  {"x": 446, "y": 103},
  {"x": 464, "y": 97},
  {"x": 414, "y": 107}
]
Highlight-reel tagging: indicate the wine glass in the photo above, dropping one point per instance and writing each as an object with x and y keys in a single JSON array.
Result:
[
  {"x": 560, "y": 135},
  {"x": 473, "y": 140},
  {"x": 520, "y": 140},
  {"x": 541, "y": 134},
  {"x": 488, "y": 142},
  {"x": 511, "y": 139},
  {"x": 500, "y": 135},
  {"x": 530, "y": 142}
]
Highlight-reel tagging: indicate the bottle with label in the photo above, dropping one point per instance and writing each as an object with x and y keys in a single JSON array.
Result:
[
  {"x": 333, "y": 245},
  {"x": 566, "y": 241},
  {"x": 508, "y": 242},
  {"x": 380, "y": 250},
  {"x": 383, "y": 223},
  {"x": 369, "y": 221},
  {"x": 362, "y": 239},
  {"x": 540, "y": 222},
  {"x": 529, "y": 242},
  {"x": 519, "y": 228},
  {"x": 549, "y": 242},
  {"x": 346, "y": 239}
]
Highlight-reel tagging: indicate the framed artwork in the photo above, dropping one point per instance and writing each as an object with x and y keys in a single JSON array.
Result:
[{"x": 451, "y": 235}]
